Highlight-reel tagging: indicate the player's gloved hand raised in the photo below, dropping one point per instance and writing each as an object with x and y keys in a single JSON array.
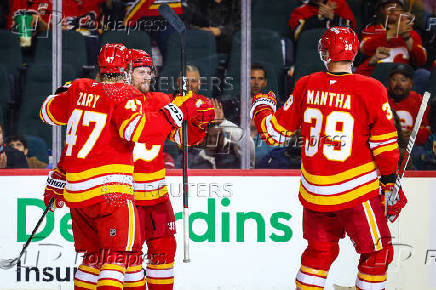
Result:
[
  {"x": 263, "y": 102},
  {"x": 199, "y": 111},
  {"x": 394, "y": 205},
  {"x": 54, "y": 188},
  {"x": 175, "y": 111}
]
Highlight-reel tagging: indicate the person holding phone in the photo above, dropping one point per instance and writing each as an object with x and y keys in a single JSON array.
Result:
[{"x": 391, "y": 38}]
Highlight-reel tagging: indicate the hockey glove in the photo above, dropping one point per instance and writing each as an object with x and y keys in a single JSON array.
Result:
[
  {"x": 175, "y": 111},
  {"x": 263, "y": 102},
  {"x": 54, "y": 188},
  {"x": 200, "y": 111},
  {"x": 394, "y": 206}
]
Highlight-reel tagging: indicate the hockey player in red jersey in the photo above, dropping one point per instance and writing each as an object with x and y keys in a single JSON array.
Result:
[
  {"x": 348, "y": 132},
  {"x": 156, "y": 216},
  {"x": 103, "y": 122}
]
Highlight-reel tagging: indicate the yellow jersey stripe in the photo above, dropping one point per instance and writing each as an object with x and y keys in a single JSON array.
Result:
[
  {"x": 105, "y": 169},
  {"x": 383, "y": 136},
  {"x": 373, "y": 225},
  {"x": 384, "y": 149},
  {"x": 86, "y": 285},
  {"x": 304, "y": 287},
  {"x": 131, "y": 236},
  {"x": 149, "y": 176},
  {"x": 134, "y": 284},
  {"x": 126, "y": 123},
  {"x": 89, "y": 269},
  {"x": 314, "y": 271},
  {"x": 339, "y": 177},
  {"x": 134, "y": 268},
  {"x": 98, "y": 191},
  {"x": 112, "y": 283},
  {"x": 371, "y": 278},
  {"x": 279, "y": 128},
  {"x": 339, "y": 199},
  {"x": 268, "y": 138},
  {"x": 150, "y": 195},
  {"x": 113, "y": 267},
  {"x": 161, "y": 266},
  {"x": 138, "y": 130},
  {"x": 160, "y": 281},
  {"x": 50, "y": 115}
]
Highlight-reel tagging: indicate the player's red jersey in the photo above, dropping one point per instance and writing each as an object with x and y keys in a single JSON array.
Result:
[
  {"x": 407, "y": 110},
  {"x": 374, "y": 36},
  {"x": 348, "y": 132},
  {"x": 107, "y": 117},
  {"x": 149, "y": 174}
]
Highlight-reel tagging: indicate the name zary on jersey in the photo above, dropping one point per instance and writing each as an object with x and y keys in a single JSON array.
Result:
[
  {"x": 88, "y": 100},
  {"x": 341, "y": 101}
]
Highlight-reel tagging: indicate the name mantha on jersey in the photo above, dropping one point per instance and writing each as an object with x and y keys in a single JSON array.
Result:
[{"x": 347, "y": 127}]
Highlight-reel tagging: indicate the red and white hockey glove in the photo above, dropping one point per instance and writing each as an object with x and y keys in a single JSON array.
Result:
[
  {"x": 54, "y": 188},
  {"x": 200, "y": 111},
  {"x": 263, "y": 102},
  {"x": 394, "y": 206},
  {"x": 176, "y": 111}
]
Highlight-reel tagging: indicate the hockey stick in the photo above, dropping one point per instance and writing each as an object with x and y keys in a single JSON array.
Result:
[
  {"x": 175, "y": 21},
  {"x": 393, "y": 197},
  {"x": 6, "y": 264}
]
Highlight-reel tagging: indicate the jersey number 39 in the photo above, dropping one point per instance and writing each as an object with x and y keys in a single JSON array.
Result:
[{"x": 338, "y": 124}]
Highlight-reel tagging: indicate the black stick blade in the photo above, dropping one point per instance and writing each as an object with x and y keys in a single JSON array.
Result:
[{"x": 173, "y": 19}]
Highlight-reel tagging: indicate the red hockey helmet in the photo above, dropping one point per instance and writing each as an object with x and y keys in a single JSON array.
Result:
[
  {"x": 139, "y": 57},
  {"x": 113, "y": 58},
  {"x": 341, "y": 43}
]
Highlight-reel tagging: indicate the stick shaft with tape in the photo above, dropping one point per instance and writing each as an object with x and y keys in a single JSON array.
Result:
[{"x": 175, "y": 21}]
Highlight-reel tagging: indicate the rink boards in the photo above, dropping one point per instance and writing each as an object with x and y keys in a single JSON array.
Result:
[{"x": 245, "y": 233}]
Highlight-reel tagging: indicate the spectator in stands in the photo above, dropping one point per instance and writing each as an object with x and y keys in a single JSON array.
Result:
[
  {"x": 85, "y": 17},
  {"x": 80, "y": 15},
  {"x": 406, "y": 103},
  {"x": 394, "y": 42},
  {"x": 258, "y": 83},
  {"x": 220, "y": 148},
  {"x": 220, "y": 17},
  {"x": 258, "y": 80},
  {"x": 40, "y": 9},
  {"x": 10, "y": 157},
  {"x": 19, "y": 143},
  {"x": 320, "y": 14}
]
